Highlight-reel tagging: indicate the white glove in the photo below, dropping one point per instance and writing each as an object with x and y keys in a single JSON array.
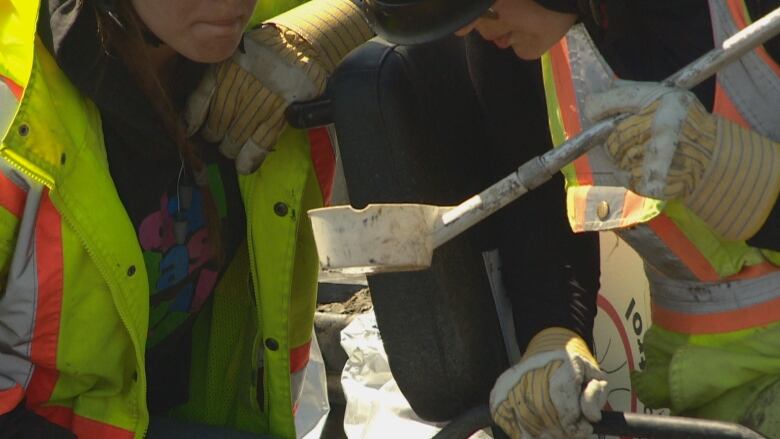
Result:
[
  {"x": 241, "y": 102},
  {"x": 674, "y": 149},
  {"x": 555, "y": 391}
]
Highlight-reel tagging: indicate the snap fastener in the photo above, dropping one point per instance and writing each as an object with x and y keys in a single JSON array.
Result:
[
  {"x": 63, "y": 158},
  {"x": 280, "y": 209},
  {"x": 271, "y": 344},
  {"x": 24, "y": 130},
  {"x": 134, "y": 376},
  {"x": 602, "y": 210},
  {"x": 131, "y": 270}
]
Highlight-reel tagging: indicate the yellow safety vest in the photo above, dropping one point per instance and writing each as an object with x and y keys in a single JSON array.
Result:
[
  {"x": 699, "y": 282},
  {"x": 75, "y": 297}
]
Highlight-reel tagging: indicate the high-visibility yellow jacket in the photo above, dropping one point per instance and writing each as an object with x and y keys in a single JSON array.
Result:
[
  {"x": 74, "y": 303},
  {"x": 715, "y": 303},
  {"x": 678, "y": 247}
]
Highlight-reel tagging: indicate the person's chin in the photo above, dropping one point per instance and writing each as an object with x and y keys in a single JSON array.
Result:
[
  {"x": 527, "y": 46},
  {"x": 527, "y": 52},
  {"x": 213, "y": 51}
]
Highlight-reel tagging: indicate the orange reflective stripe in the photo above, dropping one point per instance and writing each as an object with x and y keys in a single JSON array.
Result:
[
  {"x": 632, "y": 207},
  {"x": 41, "y": 385},
  {"x": 683, "y": 248},
  {"x": 84, "y": 428},
  {"x": 567, "y": 105},
  {"x": 15, "y": 88},
  {"x": 726, "y": 108},
  {"x": 323, "y": 159},
  {"x": 12, "y": 197},
  {"x": 743, "y": 318},
  {"x": 10, "y": 398},
  {"x": 576, "y": 206},
  {"x": 48, "y": 247},
  {"x": 739, "y": 14},
  {"x": 580, "y": 207},
  {"x": 43, "y": 350},
  {"x": 299, "y": 357},
  {"x": 694, "y": 259},
  {"x": 564, "y": 88}
]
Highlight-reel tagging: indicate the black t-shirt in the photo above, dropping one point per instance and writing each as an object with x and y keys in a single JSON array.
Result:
[
  {"x": 165, "y": 207},
  {"x": 551, "y": 275},
  {"x": 168, "y": 213}
]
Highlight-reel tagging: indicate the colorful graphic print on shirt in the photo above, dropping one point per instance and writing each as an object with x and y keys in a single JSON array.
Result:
[{"x": 180, "y": 264}]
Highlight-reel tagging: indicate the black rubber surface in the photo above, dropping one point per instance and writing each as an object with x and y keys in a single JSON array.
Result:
[{"x": 409, "y": 130}]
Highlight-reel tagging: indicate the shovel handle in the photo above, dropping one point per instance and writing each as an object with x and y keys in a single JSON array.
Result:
[
  {"x": 618, "y": 424},
  {"x": 541, "y": 168}
]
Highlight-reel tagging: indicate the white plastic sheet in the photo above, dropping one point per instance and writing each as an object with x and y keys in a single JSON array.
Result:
[
  {"x": 313, "y": 406},
  {"x": 375, "y": 406}
]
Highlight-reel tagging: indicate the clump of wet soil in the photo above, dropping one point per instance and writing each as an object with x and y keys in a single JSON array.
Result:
[{"x": 360, "y": 302}]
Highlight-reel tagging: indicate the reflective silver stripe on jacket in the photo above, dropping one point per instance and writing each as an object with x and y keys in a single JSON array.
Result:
[
  {"x": 655, "y": 253},
  {"x": 706, "y": 298},
  {"x": 592, "y": 74},
  {"x": 18, "y": 301},
  {"x": 750, "y": 83},
  {"x": 750, "y": 79},
  {"x": 8, "y": 106},
  {"x": 297, "y": 380}
]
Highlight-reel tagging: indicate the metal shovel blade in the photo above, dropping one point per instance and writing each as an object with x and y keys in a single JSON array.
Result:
[{"x": 379, "y": 238}]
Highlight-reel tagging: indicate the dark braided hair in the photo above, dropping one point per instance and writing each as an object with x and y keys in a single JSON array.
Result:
[{"x": 124, "y": 35}]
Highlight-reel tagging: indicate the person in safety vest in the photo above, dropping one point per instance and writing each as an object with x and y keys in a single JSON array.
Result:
[
  {"x": 150, "y": 268},
  {"x": 690, "y": 180}
]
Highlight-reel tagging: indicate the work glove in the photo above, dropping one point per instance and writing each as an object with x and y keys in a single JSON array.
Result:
[
  {"x": 555, "y": 391},
  {"x": 241, "y": 102},
  {"x": 672, "y": 148}
]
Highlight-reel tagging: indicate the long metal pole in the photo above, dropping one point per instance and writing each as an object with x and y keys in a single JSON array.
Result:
[
  {"x": 541, "y": 168},
  {"x": 636, "y": 425}
]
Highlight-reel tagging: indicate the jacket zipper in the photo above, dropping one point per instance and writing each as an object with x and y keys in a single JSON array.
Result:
[
  {"x": 254, "y": 283},
  {"x": 140, "y": 369},
  {"x": 9, "y": 157}
]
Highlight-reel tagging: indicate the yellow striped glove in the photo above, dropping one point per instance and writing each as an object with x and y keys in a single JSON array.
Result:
[
  {"x": 672, "y": 148},
  {"x": 555, "y": 391},
  {"x": 241, "y": 102}
]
